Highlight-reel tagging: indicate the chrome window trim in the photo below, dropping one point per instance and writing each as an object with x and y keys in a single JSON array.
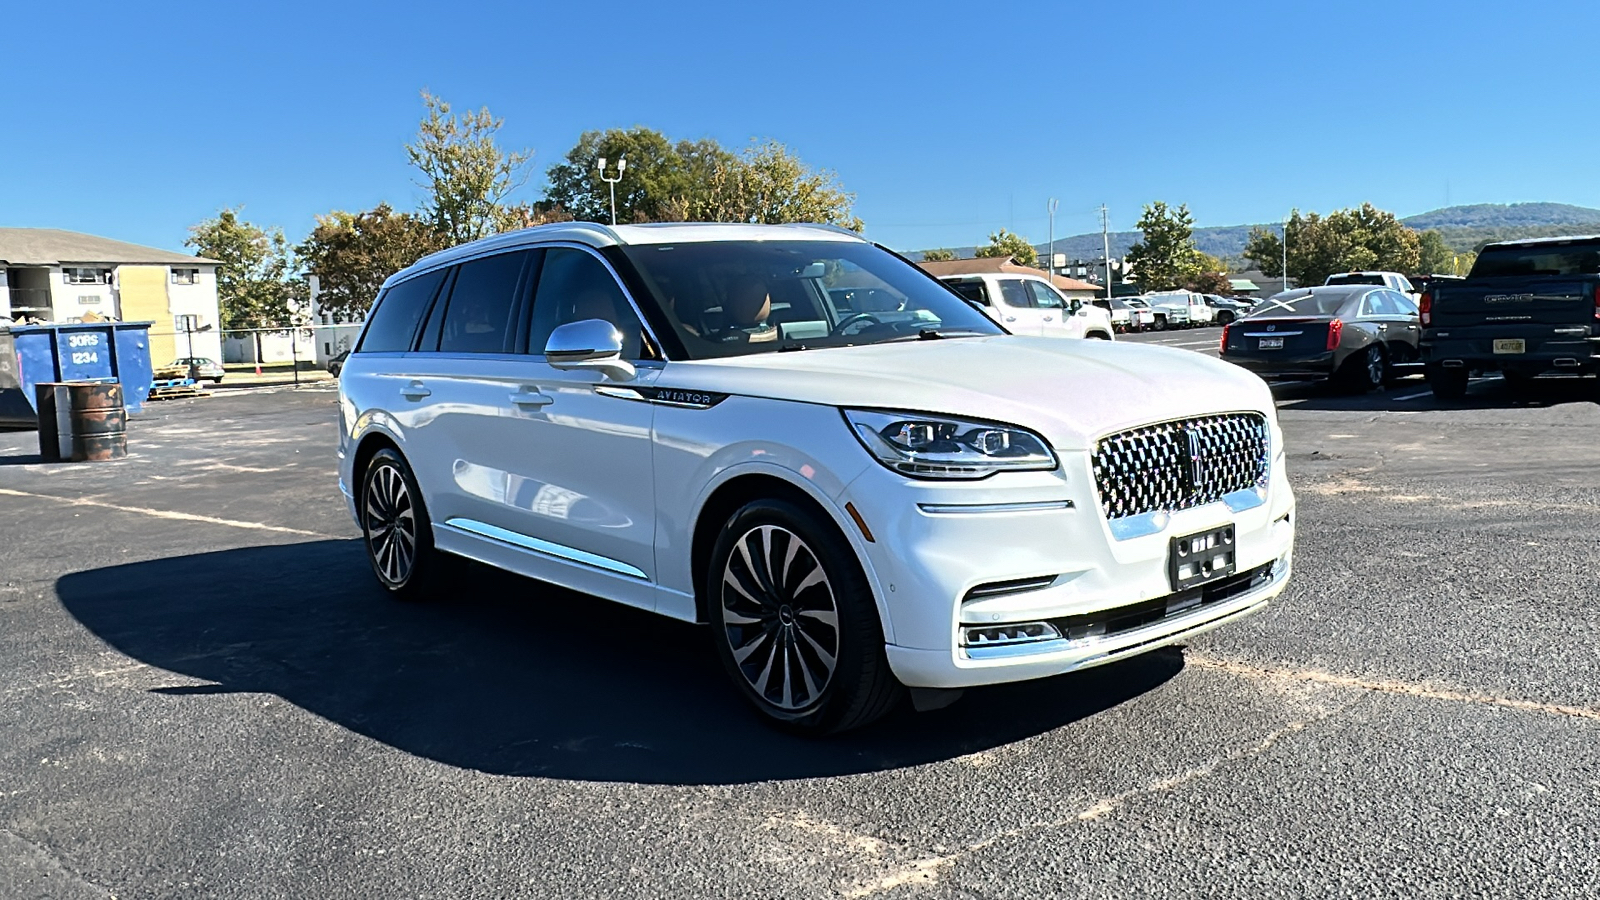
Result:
[{"x": 617, "y": 279}]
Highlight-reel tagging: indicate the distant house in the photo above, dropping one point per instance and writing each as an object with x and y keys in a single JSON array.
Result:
[
  {"x": 1071, "y": 288},
  {"x": 48, "y": 275}
]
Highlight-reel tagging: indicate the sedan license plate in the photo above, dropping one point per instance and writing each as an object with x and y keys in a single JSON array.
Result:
[
  {"x": 1196, "y": 559},
  {"x": 1270, "y": 344},
  {"x": 1511, "y": 345}
]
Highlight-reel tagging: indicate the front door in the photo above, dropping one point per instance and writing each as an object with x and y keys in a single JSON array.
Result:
[{"x": 1015, "y": 308}]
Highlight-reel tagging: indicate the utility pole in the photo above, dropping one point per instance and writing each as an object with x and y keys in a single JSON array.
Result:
[
  {"x": 1105, "y": 240},
  {"x": 1286, "y": 253},
  {"x": 621, "y": 165},
  {"x": 1050, "y": 264}
]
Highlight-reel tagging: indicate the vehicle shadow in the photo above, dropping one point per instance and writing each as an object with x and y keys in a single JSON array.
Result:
[
  {"x": 22, "y": 459},
  {"x": 510, "y": 676},
  {"x": 1412, "y": 395}
]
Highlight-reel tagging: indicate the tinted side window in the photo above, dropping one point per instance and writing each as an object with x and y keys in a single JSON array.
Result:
[
  {"x": 1402, "y": 305},
  {"x": 480, "y": 317},
  {"x": 972, "y": 290},
  {"x": 394, "y": 321},
  {"x": 1044, "y": 297},
  {"x": 1013, "y": 293},
  {"x": 574, "y": 286}
]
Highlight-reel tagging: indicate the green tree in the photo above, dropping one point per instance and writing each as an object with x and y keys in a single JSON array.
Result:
[
  {"x": 662, "y": 180},
  {"x": 1363, "y": 238},
  {"x": 467, "y": 175},
  {"x": 1004, "y": 243},
  {"x": 1434, "y": 256},
  {"x": 938, "y": 255},
  {"x": 767, "y": 184},
  {"x": 1165, "y": 256},
  {"x": 257, "y": 284},
  {"x": 352, "y": 253}
]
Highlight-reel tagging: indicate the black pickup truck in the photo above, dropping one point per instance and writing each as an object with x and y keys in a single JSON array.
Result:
[{"x": 1526, "y": 308}]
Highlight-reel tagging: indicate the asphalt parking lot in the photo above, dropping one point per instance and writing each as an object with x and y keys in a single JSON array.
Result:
[{"x": 204, "y": 694}]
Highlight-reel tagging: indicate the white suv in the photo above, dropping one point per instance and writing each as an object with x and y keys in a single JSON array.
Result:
[
  {"x": 1030, "y": 305},
  {"x": 685, "y": 419}
]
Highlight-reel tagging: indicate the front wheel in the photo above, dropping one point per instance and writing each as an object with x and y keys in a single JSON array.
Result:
[
  {"x": 795, "y": 623},
  {"x": 1161, "y": 323}
]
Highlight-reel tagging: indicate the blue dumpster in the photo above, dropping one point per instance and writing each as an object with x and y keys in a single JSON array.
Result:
[{"x": 92, "y": 351}]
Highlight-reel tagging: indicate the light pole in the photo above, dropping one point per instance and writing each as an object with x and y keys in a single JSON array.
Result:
[
  {"x": 1050, "y": 264},
  {"x": 1286, "y": 253},
  {"x": 621, "y": 165}
]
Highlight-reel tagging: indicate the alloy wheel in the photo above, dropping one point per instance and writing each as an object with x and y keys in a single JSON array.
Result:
[
  {"x": 391, "y": 525},
  {"x": 1375, "y": 366},
  {"x": 780, "y": 617}
]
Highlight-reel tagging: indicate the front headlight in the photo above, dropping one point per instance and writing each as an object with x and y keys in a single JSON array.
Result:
[{"x": 930, "y": 446}]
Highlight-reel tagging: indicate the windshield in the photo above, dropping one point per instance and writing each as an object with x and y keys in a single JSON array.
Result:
[
  {"x": 1313, "y": 304},
  {"x": 1576, "y": 258},
  {"x": 730, "y": 298}
]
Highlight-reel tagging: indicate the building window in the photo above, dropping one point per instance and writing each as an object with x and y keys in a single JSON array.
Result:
[
  {"x": 186, "y": 324},
  {"x": 185, "y": 276},
  {"x": 86, "y": 276}
]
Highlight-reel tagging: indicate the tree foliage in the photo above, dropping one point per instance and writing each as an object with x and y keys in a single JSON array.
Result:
[
  {"x": 257, "y": 284},
  {"x": 352, "y": 253},
  {"x": 1165, "y": 257},
  {"x": 939, "y": 255},
  {"x": 695, "y": 181},
  {"x": 1363, "y": 238},
  {"x": 1004, "y": 243},
  {"x": 467, "y": 175}
]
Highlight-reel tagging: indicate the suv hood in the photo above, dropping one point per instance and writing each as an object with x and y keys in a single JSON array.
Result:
[{"x": 1070, "y": 391}]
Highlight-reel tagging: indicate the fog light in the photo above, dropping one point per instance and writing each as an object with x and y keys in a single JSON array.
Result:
[{"x": 1002, "y": 635}]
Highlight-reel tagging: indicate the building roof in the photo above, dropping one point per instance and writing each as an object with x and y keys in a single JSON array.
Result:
[
  {"x": 1243, "y": 284},
  {"x": 54, "y": 247},
  {"x": 995, "y": 265}
]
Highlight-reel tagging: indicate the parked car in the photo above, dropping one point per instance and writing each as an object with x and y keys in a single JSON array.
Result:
[
  {"x": 1359, "y": 334},
  {"x": 201, "y": 369},
  {"x": 336, "y": 364},
  {"x": 1028, "y": 304},
  {"x": 855, "y": 503},
  {"x": 1184, "y": 309},
  {"x": 1394, "y": 281},
  {"x": 1146, "y": 315},
  {"x": 1126, "y": 316},
  {"x": 1526, "y": 309},
  {"x": 1226, "y": 309}
]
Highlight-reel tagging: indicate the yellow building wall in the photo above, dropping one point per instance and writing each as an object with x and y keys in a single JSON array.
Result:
[{"x": 144, "y": 299}]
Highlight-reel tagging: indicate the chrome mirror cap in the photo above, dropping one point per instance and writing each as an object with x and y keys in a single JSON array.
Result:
[{"x": 588, "y": 344}]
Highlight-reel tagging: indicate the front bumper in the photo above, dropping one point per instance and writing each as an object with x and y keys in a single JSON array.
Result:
[{"x": 1035, "y": 547}]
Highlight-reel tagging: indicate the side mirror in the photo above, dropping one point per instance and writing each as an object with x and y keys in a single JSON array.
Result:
[
  {"x": 588, "y": 344},
  {"x": 1076, "y": 305}
]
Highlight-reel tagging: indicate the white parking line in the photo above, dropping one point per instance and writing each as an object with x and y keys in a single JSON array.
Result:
[{"x": 165, "y": 513}]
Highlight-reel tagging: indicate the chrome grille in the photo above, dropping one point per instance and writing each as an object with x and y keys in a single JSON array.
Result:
[{"x": 1182, "y": 464}]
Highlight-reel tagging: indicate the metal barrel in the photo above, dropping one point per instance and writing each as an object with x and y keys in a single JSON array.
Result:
[{"x": 99, "y": 421}]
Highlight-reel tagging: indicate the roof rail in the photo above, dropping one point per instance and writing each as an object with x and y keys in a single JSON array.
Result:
[{"x": 839, "y": 229}]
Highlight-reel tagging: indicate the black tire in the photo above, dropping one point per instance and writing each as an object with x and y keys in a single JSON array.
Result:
[
  {"x": 753, "y": 607},
  {"x": 1161, "y": 323},
  {"x": 1367, "y": 370},
  {"x": 1098, "y": 336},
  {"x": 1447, "y": 384},
  {"x": 396, "y": 530}
]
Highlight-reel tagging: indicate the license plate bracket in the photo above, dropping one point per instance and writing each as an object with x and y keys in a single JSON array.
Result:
[
  {"x": 1202, "y": 557},
  {"x": 1273, "y": 343},
  {"x": 1510, "y": 345}
]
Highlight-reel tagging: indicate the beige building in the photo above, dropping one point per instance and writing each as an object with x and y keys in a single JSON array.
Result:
[{"x": 48, "y": 275}]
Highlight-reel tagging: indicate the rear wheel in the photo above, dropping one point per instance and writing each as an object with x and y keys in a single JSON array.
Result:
[
  {"x": 1368, "y": 370},
  {"x": 398, "y": 534},
  {"x": 795, "y": 623},
  {"x": 1447, "y": 384}
]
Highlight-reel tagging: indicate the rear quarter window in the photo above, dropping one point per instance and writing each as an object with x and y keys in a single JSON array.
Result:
[{"x": 393, "y": 324}]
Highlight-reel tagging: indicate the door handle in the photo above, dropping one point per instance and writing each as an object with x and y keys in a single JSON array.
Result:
[
  {"x": 1049, "y": 318},
  {"x": 1011, "y": 318},
  {"x": 531, "y": 398},
  {"x": 416, "y": 390}
]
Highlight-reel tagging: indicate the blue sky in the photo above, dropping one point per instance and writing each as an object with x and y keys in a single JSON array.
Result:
[{"x": 135, "y": 120}]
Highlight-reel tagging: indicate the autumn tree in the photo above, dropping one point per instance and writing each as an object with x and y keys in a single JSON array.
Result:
[
  {"x": 352, "y": 253},
  {"x": 257, "y": 281},
  {"x": 468, "y": 177},
  {"x": 938, "y": 255},
  {"x": 767, "y": 184},
  {"x": 1004, "y": 243},
  {"x": 1165, "y": 256}
]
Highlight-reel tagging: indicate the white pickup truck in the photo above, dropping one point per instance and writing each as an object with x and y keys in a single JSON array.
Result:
[
  {"x": 1027, "y": 304},
  {"x": 1394, "y": 281},
  {"x": 1183, "y": 309}
]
